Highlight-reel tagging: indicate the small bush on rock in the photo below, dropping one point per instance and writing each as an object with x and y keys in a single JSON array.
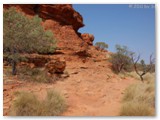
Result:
[{"x": 101, "y": 45}]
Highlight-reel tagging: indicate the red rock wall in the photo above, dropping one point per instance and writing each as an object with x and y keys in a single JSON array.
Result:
[
  {"x": 62, "y": 19},
  {"x": 67, "y": 37},
  {"x": 63, "y": 13}
]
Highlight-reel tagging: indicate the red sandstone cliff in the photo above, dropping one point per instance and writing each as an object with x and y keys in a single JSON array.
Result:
[
  {"x": 62, "y": 20},
  {"x": 64, "y": 14}
]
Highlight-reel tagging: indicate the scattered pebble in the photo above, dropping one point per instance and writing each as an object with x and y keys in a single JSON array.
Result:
[
  {"x": 65, "y": 75},
  {"x": 75, "y": 72},
  {"x": 4, "y": 89},
  {"x": 79, "y": 80}
]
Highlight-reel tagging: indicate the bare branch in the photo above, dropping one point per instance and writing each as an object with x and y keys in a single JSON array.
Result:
[
  {"x": 135, "y": 60},
  {"x": 145, "y": 69},
  {"x": 151, "y": 63}
]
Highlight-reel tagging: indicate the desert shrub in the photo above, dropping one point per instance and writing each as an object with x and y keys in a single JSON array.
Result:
[
  {"x": 27, "y": 104},
  {"x": 54, "y": 103},
  {"x": 34, "y": 75},
  {"x": 130, "y": 92},
  {"x": 29, "y": 71},
  {"x": 135, "y": 109},
  {"x": 121, "y": 60},
  {"x": 24, "y": 35},
  {"x": 101, "y": 45},
  {"x": 142, "y": 68},
  {"x": 139, "y": 100}
]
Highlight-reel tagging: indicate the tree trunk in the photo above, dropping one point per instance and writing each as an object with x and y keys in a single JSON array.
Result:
[
  {"x": 141, "y": 78},
  {"x": 14, "y": 71},
  {"x": 120, "y": 68}
]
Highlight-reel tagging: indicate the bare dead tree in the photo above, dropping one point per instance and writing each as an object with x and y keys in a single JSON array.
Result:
[{"x": 145, "y": 69}]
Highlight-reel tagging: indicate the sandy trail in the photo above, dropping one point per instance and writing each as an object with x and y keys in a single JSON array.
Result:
[{"x": 91, "y": 90}]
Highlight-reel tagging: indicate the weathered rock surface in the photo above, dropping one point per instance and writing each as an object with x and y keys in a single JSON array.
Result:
[
  {"x": 66, "y": 36},
  {"x": 88, "y": 38},
  {"x": 63, "y": 13},
  {"x": 37, "y": 60},
  {"x": 62, "y": 20},
  {"x": 55, "y": 66}
]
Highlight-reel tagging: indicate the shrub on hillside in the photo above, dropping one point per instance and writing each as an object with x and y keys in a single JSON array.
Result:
[
  {"x": 101, "y": 45},
  {"x": 142, "y": 68},
  {"x": 24, "y": 35},
  {"x": 121, "y": 60}
]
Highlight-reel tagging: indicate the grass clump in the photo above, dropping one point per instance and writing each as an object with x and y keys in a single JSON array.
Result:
[
  {"x": 133, "y": 75},
  {"x": 34, "y": 74},
  {"x": 139, "y": 99},
  {"x": 148, "y": 77},
  {"x": 27, "y": 104},
  {"x": 7, "y": 71},
  {"x": 135, "y": 109},
  {"x": 54, "y": 104}
]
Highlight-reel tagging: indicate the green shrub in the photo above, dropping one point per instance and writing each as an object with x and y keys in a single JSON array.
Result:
[
  {"x": 121, "y": 60},
  {"x": 101, "y": 45},
  {"x": 27, "y": 104},
  {"x": 24, "y": 35}
]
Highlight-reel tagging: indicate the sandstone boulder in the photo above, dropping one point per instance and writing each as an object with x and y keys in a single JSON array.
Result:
[
  {"x": 88, "y": 38},
  {"x": 55, "y": 66},
  {"x": 38, "y": 61},
  {"x": 66, "y": 36},
  {"x": 35, "y": 60}
]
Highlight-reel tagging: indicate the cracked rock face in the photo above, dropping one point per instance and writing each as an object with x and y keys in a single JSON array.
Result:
[{"x": 56, "y": 66}]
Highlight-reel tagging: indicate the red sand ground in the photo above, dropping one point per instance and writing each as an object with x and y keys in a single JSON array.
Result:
[{"x": 92, "y": 89}]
